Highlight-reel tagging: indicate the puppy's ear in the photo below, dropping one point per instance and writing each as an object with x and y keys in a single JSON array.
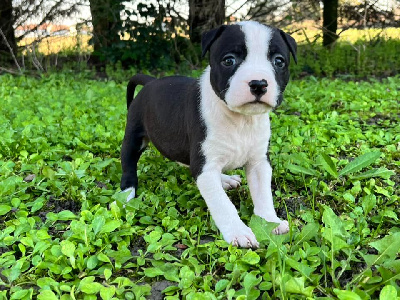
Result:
[
  {"x": 291, "y": 43},
  {"x": 209, "y": 37}
]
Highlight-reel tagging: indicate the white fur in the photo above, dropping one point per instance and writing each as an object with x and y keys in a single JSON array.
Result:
[
  {"x": 131, "y": 194},
  {"x": 230, "y": 182},
  {"x": 236, "y": 139},
  {"x": 259, "y": 176},
  {"x": 256, "y": 66},
  {"x": 144, "y": 144},
  {"x": 223, "y": 211}
]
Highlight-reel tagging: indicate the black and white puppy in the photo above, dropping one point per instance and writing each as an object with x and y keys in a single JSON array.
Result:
[{"x": 217, "y": 123}]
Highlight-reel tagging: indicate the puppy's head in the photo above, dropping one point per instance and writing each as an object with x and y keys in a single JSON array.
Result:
[{"x": 249, "y": 65}]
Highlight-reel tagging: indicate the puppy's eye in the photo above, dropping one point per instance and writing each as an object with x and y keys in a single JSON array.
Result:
[
  {"x": 229, "y": 61},
  {"x": 279, "y": 62}
]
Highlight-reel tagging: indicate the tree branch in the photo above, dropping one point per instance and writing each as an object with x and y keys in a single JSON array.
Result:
[
  {"x": 51, "y": 14},
  {"x": 11, "y": 51}
]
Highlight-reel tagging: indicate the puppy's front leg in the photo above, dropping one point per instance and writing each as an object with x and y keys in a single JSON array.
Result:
[
  {"x": 223, "y": 211},
  {"x": 259, "y": 175}
]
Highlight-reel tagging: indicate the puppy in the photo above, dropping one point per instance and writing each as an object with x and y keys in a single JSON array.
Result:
[{"x": 218, "y": 123}]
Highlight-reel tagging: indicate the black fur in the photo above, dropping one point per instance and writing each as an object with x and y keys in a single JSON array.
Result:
[{"x": 170, "y": 120}]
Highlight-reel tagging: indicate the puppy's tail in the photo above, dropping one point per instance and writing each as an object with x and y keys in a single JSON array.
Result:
[{"x": 139, "y": 79}]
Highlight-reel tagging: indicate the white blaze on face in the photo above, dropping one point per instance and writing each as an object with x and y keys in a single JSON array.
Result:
[{"x": 256, "y": 66}]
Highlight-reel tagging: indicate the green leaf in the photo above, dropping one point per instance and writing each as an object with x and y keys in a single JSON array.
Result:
[
  {"x": 46, "y": 281},
  {"x": 41, "y": 246},
  {"x": 170, "y": 272},
  {"x": 263, "y": 231},
  {"x": 187, "y": 277},
  {"x": 249, "y": 282},
  {"x": 66, "y": 215},
  {"x": 38, "y": 204},
  {"x": 92, "y": 262},
  {"x": 368, "y": 203},
  {"x": 88, "y": 286},
  {"x": 65, "y": 288},
  {"x": 328, "y": 165},
  {"x": 303, "y": 268},
  {"x": 107, "y": 273},
  {"x": 333, "y": 222},
  {"x": 48, "y": 173},
  {"x": 42, "y": 234},
  {"x": 102, "y": 257},
  {"x": 19, "y": 294},
  {"x": 346, "y": 295},
  {"x": 251, "y": 258},
  {"x": 387, "y": 247},
  {"x": 295, "y": 285},
  {"x": 389, "y": 274},
  {"x": 265, "y": 286},
  {"x": 110, "y": 226},
  {"x": 106, "y": 293},
  {"x": 153, "y": 237},
  {"x": 15, "y": 271},
  {"x": 141, "y": 290},
  {"x": 98, "y": 223},
  {"x": 67, "y": 248},
  {"x": 389, "y": 292},
  {"x": 47, "y": 295},
  {"x": 307, "y": 233},
  {"x": 153, "y": 272},
  {"x": 4, "y": 209},
  {"x": 300, "y": 169},
  {"x": 120, "y": 256},
  {"x": 221, "y": 285},
  {"x": 170, "y": 289},
  {"x": 390, "y": 214},
  {"x": 360, "y": 162},
  {"x": 381, "y": 172}
]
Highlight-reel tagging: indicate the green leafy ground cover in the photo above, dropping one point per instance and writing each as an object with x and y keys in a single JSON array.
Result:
[{"x": 335, "y": 150}]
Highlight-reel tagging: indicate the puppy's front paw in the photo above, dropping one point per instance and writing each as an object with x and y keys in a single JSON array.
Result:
[
  {"x": 282, "y": 228},
  {"x": 130, "y": 196},
  {"x": 241, "y": 236},
  {"x": 230, "y": 182}
]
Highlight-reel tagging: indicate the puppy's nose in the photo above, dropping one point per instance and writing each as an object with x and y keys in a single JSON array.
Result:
[{"x": 258, "y": 87}]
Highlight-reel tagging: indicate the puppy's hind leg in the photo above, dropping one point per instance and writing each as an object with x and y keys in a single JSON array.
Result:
[{"x": 132, "y": 147}]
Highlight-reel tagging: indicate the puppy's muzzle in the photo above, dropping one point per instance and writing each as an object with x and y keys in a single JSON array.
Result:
[{"x": 258, "y": 87}]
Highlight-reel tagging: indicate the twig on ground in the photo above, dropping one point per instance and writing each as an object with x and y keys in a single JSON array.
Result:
[{"x": 9, "y": 71}]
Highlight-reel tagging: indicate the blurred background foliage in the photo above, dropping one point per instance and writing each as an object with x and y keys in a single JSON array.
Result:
[{"x": 336, "y": 37}]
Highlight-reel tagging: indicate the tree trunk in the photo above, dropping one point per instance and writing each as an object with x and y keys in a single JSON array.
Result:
[
  {"x": 204, "y": 15},
  {"x": 6, "y": 25},
  {"x": 330, "y": 17},
  {"x": 106, "y": 21}
]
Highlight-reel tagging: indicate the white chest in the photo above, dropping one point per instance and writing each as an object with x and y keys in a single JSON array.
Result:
[
  {"x": 232, "y": 139},
  {"x": 229, "y": 146}
]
